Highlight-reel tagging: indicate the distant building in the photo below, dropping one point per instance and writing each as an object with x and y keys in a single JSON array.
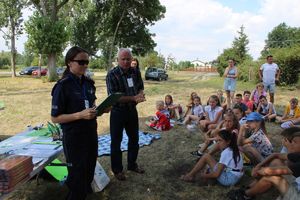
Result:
[{"x": 200, "y": 65}]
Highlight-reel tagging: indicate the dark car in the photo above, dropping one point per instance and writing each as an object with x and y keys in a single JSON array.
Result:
[
  {"x": 156, "y": 74},
  {"x": 28, "y": 70}
]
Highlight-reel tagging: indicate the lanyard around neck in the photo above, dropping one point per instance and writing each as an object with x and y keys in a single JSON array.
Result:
[{"x": 82, "y": 88}]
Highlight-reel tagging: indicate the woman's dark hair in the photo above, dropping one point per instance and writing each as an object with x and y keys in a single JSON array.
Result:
[
  {"x": 216, "y": 98},
  {"x": 236, "y": 124},
  {"x": 71, "y": 54},
  {"x": 227, "y": 136},
  {"x": 170, "y": 97},
  {"x": 236, "y": 106},
  {"x": 137, "y": 62},
  {"x": 262, "y": 97},
  {"x": 263, "y": 127}
]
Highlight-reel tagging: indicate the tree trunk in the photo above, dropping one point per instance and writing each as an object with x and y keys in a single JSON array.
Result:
[
  {"x": 13, "y": 48},
  {"x": 113, "y": 41},
  {"x": 52, "y": 75},
  {"x": 40, "y": 66}
]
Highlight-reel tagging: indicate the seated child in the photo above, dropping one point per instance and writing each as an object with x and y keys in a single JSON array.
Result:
[
  {"x": 161, "y": 121},
  {"x": 247, "y": 101},
  {"x": 256, "y": 147},
  {"x": 291, "y": 116},
  {"x": 222, "y": 99},
  {"x": 240, "y": 115},
  {"x": 212, "y": 114},
  {"x": 196, "y": 112},
  {"x": 230, "y": 123},
  {"x": 266, "y": 109},
  {"x": 239, "y": 101},
  {"x": 175, "y": 110},
  {"x": 228, "y": 170},
  {"x": 271, "y": 171},
  {"x": 259, "y": 90},
  {"x": 190, "y": 104}
]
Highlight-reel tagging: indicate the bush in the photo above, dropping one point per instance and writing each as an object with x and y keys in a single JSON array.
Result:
[
  {"x": 97, "y": 63},
  {"x": 288, "y": 60},
  {"x": 248, "y": 70}
]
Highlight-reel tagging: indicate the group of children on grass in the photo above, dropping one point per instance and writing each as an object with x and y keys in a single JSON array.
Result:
[{"x": 239, "y": 134}]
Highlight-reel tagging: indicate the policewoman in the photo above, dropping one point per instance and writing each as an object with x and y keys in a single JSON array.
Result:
[
  {"x": 127, "y": 80},
  {"x": 73, "y": 107}
]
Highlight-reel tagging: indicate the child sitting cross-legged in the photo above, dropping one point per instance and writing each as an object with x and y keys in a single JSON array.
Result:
[
  {"x": 228, "y": 170},
  {"x": 175, "y": 110},
  {"x": 291, "y": 116},
  {"x": 266, "y": 109},
  {"x": 213, "y": 114},
  {"x": 196, "y": 112},
  {"x": 281, "y": 170},
  {"x": 161, "y": 121},
  {"x": 257, "y": 146},
  {"x": 190, "y": 104}
]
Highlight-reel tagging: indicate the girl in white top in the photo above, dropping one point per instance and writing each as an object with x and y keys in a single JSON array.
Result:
[
  {"x": 212, "y": 113},
  {"x": 229, "y": 170},
  {"x": 197, "y": 112}
]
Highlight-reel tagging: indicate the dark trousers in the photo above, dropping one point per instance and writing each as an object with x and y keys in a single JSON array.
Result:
[
  {"x": 124, "y": 118},
  {"x": 81, "y": 151}
]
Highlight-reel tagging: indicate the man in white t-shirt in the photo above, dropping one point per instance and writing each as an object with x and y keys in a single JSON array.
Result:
[{"x": 268, "y": 74}]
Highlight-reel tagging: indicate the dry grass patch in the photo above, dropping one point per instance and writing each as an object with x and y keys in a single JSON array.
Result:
[{"x": 164, "y": 160}]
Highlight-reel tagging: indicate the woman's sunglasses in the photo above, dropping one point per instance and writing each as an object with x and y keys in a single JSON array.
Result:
[{"x": 82, "y": 62}]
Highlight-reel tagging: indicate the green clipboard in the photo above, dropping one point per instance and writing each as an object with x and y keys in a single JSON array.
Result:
[{"x": 108, "y": 102}]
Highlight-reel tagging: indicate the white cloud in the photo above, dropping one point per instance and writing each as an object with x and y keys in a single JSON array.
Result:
[{"x": 202, "y": 29}]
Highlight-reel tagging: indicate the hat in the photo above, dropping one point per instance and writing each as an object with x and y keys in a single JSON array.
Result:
[{"x": 254, "y": 116}]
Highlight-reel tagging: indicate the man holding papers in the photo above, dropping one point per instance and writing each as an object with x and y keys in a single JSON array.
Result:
[{"x": 126, "y": 80}]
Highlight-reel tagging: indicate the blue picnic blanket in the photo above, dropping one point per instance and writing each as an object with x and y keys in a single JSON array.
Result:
[{"x": 105, "y": 140}]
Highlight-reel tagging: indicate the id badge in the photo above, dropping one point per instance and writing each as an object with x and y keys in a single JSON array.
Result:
[
  {"x": 130, "y": 82},
  {"x": 86, "y": 104}
]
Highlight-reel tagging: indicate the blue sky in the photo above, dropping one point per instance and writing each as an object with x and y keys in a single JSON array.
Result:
[{"x": 201, "y": 29}]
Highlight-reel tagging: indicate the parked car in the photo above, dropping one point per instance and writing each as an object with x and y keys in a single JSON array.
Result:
[
  {"x": 156, "y": 74},
  {"x": 28, "y": 70},
  {"x": 37, "y": 72},
  {"x": 60, "y": 71}
]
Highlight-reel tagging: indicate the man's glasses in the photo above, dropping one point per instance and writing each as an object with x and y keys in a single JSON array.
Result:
[{"x": 81, "y": 62}]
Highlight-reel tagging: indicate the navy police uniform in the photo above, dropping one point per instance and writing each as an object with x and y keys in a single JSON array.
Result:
[
  {"x": 70, "y": 95},
  {"x": 124, "y": 115}
]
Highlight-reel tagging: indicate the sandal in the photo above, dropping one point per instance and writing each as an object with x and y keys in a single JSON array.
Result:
[{"x": 196, "y": 153}]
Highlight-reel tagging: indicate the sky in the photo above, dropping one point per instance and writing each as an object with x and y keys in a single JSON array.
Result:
[{"x": 201, "y": 29}]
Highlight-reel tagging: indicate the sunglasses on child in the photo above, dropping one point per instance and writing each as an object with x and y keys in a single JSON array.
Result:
[{"x": 81, "y": 62}]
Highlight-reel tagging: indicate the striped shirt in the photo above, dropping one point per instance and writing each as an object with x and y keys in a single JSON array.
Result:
[{"x": 129, "y": 83}]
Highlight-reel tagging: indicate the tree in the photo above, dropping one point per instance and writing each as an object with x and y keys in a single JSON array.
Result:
[
  {"x": 152, "y": 59},
  {"x": 238, "y": 51},
  {"x": 85, "y": 26},
  {"x": 47, "y": 32},
  {"x": 281, "y": 36},
  {"x": 11, "y": 19},
  {"x": 239, "y": 46},
  {"x": 124, "y": 23}
]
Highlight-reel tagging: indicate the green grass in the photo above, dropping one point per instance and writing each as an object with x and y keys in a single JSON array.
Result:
[{"x": 27, "y": 101}]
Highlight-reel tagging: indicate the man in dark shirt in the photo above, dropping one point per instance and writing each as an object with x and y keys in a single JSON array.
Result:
[
  {"x": 239, "y": 101},
  {"x": 270, "y": 171},
  {"x": 124, "y": 115}
]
